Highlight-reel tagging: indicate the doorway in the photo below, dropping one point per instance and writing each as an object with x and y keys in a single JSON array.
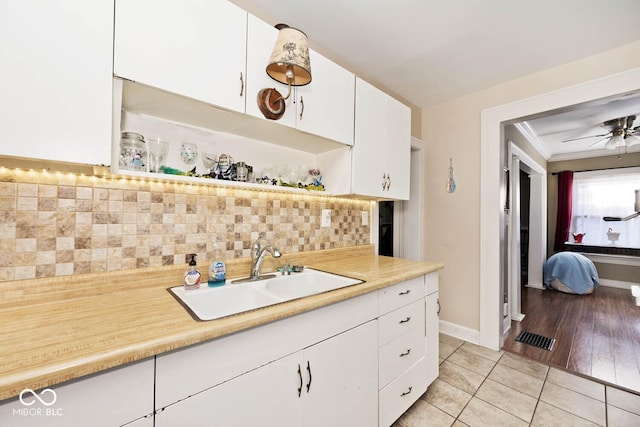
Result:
[
  {"x": 526, "y": 224},
  {"x": 492, "y": 129}
]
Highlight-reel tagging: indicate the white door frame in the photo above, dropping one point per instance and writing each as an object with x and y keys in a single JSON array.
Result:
[
  {"x": 410, "y": 246},
  {"x": 492, "y": 122},
  {"x": 518, "y": 159}
]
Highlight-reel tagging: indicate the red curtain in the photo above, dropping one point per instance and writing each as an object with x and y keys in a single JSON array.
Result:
[{"x": 563, "y": 219}]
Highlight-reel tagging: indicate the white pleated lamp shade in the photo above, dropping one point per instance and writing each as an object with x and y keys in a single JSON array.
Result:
[{"x": 290, "y": 53}]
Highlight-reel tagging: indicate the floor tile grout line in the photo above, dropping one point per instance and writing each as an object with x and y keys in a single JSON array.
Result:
[{"x": 538, "y": 399}]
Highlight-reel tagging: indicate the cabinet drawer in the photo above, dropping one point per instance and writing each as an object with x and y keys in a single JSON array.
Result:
[
  {"x": 431, "y": 283},
  {"x": 400, "y": 321},
  {"x": 398, "y": 355},
  {"x": 401, "y": 294},
  {"x": 403, "y": 392}
]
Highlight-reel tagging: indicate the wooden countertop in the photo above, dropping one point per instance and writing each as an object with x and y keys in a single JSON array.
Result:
[{"x": 54, "y": 330}]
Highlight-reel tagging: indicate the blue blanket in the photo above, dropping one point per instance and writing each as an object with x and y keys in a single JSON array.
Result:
[{"x": 576, "y": 271}]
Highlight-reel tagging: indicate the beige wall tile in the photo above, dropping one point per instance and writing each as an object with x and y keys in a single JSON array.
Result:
[{"x": 153, "y": 223}]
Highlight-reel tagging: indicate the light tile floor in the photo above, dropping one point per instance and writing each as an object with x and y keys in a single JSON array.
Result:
[{"x": 481, "y": 387}]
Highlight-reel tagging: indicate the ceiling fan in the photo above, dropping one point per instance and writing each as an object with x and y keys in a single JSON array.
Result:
[{"x": 620, "y": 133}]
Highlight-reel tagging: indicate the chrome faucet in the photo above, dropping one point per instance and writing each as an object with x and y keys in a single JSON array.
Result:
[{"x": 257, "y": 256}]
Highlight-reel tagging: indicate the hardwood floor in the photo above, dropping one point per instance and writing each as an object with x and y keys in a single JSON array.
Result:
[{"x": 597, "y": 335}]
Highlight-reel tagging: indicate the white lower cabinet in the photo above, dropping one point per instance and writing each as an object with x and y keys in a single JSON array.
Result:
[
  {"x": 330, "y": 383},
  {"x": 266, "y": 396},
  {"x": 316, "y": 368},
  {"x": 432, "y": 338},
  {"x": 113, "y": 398},
  {"x": 406, "y": 364},
  {"x": 343, "y": 379}
]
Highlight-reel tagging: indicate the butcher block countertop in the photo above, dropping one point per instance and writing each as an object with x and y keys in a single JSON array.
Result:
[{"x": 58, "y": 329}]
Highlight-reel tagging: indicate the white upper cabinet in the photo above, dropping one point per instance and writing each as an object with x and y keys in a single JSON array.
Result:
[
  {"x": 195, "y": 48},
  {"x": 324, "y": 107},
  {"x": 378, "y": 164},
  {"x": 55, "y": 98},
  {"x": 382, "y": 146}
]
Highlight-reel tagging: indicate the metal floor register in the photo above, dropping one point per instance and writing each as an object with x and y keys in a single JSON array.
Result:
[{"x": 536, "y": 340}]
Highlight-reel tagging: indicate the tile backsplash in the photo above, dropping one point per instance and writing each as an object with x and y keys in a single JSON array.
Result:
[{"x": 57, "y": 224}]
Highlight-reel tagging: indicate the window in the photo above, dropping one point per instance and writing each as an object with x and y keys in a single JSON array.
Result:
[{"x": 603, "y": 193}]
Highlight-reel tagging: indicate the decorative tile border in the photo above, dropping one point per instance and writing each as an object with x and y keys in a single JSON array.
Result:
[{"x": 56, "y": 224}]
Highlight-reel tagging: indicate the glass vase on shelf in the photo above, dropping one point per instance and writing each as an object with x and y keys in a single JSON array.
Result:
[{"x": 189, "y": 153}]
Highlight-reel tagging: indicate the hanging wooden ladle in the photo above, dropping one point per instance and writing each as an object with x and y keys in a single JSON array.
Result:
[{"x": 451, "y": 183}]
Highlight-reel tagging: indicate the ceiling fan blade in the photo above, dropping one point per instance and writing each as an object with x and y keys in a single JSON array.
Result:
[
  {"x": 586, "y": 137},
  {"x": 599, "y": 141}
]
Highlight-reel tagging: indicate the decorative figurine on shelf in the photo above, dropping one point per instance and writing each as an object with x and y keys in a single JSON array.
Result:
[
  {"x": 316, "y": 180},
  {"x": 613, "y": 236},
  {"x": 577, "y": 237}
]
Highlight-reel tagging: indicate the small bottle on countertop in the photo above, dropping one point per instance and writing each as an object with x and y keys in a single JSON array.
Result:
[
  {"x": 217, "y": 269},
  {"x": 192, "y": 276}
]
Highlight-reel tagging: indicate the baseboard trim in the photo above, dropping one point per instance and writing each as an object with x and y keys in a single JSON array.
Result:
[
  {"x": 616, "y": 284},
  {"x": 460, "y": 332}
]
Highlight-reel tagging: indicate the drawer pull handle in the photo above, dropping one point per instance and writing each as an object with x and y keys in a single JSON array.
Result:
[
  {"x": 241, "y": 84},
  {"x": 300, "y": 376},
  {"x": 406, "y": 392},
  {"x": 439, "y": 307},
  {"x": 406, "y": 353},
  {"x": 309, "y": 371},
  {"x": 405, "y": 292},
  {"x": 405, "y": 320}
]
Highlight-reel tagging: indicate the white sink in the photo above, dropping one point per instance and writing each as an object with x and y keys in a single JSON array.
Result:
[
  {"x": 233, "y": 298},
  {"x": 308, "y": 282}
]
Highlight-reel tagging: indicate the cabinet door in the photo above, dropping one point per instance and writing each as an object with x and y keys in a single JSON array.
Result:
[
  {"x": 369, "y": 161},
  {"x": 382, "y": 145},
  {"x": 195, "y": 48},
  {"x": 325, "y": 106},
  {"x": 55, "y": 99},
  {"x": 398, "y": 149},
  {"x": 112, "y": 398},
  {"x": 342, "y": 378},
  {"x": 432, "y": 336},
  {"x": 266, "y": 396},
  {"x": 261, "y": 38}
]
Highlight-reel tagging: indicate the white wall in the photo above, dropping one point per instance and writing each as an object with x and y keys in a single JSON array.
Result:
[{"x": 452, "y": 129}]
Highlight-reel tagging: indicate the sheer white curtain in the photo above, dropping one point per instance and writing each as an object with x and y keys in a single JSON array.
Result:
[{"x": 605, "y": 193}]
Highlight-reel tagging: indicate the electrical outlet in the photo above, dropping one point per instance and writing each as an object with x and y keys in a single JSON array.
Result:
[
  {"x": 326, "y": 218},
  {"x": 365, "y": 218}
]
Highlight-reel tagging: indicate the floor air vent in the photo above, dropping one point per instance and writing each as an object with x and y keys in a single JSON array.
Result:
[{"x": 536, "y": 340}]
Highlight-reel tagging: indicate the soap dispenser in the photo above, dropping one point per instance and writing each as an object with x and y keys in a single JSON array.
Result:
[
  {"x": 217, "y": 269},
  {"x": 192, "y": 276}
]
